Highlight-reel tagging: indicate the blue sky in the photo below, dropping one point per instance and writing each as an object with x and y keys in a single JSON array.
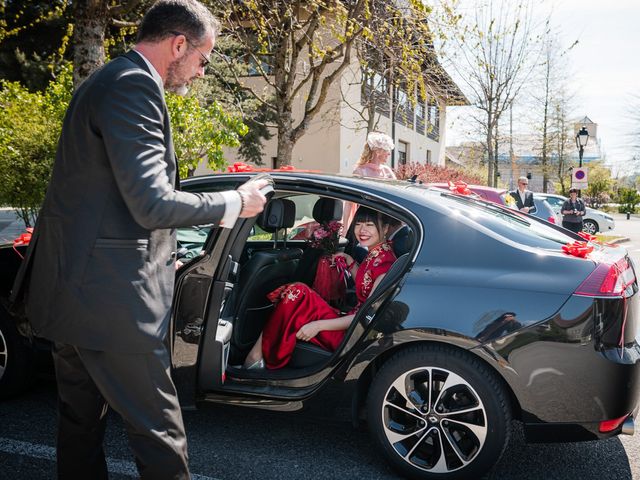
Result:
[{"x": 605, "y": 66}]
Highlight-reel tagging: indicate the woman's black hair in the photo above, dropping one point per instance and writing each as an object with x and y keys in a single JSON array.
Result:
[{"x": 366, "y": 214}]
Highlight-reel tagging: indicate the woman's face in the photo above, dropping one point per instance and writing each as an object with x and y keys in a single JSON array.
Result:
[
  {"x": 367, "y": 233},
  {"x": 380, "y": 156}
]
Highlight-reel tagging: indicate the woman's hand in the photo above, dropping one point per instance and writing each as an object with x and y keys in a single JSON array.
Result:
[{"x": 308, "y": 331}]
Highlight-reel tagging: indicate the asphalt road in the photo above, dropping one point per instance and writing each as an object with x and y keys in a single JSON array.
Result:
[{"x": 237, "y": 443}]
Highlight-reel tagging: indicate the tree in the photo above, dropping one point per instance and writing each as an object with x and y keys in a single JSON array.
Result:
[
  {"x": 201, "y": 132},
  {"x": 30, "y": 125},
  {"x": 549, "y": 105},
  {"x": 298, "y": 49},
  {"x": 90, "y": 27},
  {"x": 495, "y": 51},
  {"x": 397, "y": 69},
  {"x": 600, "y": 184}
]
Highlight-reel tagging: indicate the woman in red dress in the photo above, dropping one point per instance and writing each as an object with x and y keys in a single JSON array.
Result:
[{"x": 302, "y": 314}]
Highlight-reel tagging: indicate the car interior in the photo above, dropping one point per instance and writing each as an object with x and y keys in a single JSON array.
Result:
[{"x": 269, "y": 258}]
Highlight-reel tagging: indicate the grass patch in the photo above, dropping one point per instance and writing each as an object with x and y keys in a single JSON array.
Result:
[{"x": 608, "y": 238}]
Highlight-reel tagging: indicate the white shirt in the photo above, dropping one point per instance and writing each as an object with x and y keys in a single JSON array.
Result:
[{"x": 232, "y": 200}]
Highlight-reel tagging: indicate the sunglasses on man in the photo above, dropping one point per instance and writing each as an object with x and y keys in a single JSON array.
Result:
[{"x": 204, "y": 63}]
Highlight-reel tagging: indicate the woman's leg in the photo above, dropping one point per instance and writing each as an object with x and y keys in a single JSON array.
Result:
[{"x": 255, "y": 354}]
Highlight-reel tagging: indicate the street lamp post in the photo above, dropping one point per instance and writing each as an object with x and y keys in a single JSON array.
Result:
[{"x": 582, "y": 138}]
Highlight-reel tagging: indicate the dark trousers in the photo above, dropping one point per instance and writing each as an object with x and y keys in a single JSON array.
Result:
[
  {"x": 136, "y": 386},
  {"x": 573, "y": 226}
]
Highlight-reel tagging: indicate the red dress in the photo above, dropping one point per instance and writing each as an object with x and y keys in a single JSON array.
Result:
[{"x": 298, "y": 304}]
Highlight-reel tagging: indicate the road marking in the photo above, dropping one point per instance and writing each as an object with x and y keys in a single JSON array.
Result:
[{"x": 33, "y": 450}]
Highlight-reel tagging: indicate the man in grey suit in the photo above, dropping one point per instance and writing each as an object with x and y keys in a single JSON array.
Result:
[
  {"x": 99, "y": 274},
  {"x": 523, "y": 197}
]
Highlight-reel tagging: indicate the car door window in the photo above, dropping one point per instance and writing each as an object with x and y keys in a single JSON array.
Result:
[
  {"x": 303, "y": 225},
  {"x": 193, "y": 239}
]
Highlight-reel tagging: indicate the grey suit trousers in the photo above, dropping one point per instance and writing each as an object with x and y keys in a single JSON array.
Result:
[{"x": 139, "y": 388}]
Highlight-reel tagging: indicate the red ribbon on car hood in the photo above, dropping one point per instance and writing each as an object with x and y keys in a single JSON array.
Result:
[{"x": 577, "y": 249}]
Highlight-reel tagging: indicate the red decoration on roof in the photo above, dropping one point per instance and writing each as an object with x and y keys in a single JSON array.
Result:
[
  {"x": 459, "y": 187},
  {"x": 577, "y": 249},
  {"x": 239, "y": 167}
]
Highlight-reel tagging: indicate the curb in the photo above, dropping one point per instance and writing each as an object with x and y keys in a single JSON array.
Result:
[{"x": 616, "y": 241}]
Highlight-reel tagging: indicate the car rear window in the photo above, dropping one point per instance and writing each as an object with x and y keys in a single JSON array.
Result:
[{"x": 506, "y": 222}]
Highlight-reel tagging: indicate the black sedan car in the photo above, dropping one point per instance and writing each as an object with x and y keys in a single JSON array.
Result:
[{"x": 490, "y": 315}]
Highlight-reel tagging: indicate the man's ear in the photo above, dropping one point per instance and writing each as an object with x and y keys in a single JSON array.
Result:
[{"x": 178, "y": 46}]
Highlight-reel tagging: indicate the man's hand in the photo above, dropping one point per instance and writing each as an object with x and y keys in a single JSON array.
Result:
[
  {"x": 525, "y": 209},
  {"x": 252, "y": 198}
]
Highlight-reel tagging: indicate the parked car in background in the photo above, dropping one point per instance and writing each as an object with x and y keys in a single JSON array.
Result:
[
  {"x": 594, "y": 220},
  {"x": 545, "y": 211},
  {"x": 490, "y": 194},
  {"x": 492, "y": 315},
  {"x": 499, "y": 195}
]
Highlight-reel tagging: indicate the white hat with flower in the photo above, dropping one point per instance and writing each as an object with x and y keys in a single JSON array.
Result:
[{"x": 380, "y": 140}]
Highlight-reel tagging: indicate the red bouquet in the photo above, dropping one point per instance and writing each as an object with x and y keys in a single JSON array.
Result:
[
  {"x": 326, "y": 237},
  {"x": 330, "y": 272}
]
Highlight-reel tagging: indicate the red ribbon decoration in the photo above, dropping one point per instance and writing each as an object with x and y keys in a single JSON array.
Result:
[
  {"x": 459, "y": 187},
  {"x": 577, "y": 249},
  {"x": 23, "y": 239},
  {"x": 239, "y": 167},
  {"x": 588, "y": 237}
]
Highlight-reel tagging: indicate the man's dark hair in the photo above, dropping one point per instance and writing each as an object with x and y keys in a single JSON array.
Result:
[{"x": 168, "y": 17}]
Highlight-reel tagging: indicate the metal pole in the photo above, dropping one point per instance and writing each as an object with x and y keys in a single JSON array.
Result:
[{"x": 580, "y": 152}]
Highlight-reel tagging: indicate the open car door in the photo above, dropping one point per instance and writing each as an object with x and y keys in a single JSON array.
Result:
[{"x": 196, "y": 325}]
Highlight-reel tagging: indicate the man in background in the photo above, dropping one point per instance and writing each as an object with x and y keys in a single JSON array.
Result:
[{"x": 523, "y": 197}]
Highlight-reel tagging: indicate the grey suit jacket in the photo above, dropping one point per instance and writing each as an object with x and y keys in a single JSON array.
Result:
[{"x": 99, "y": 272}]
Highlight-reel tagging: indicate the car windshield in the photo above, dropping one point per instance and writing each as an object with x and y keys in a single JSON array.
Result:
[{"x": 507, "y": 222}]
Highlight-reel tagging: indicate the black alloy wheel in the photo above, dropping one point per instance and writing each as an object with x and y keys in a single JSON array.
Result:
[{"x": 439, "y": 413}]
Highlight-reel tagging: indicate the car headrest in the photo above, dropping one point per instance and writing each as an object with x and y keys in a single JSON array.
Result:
[
  {"x": 278, "y": 213},
  {"x": 327, "y": 210}
]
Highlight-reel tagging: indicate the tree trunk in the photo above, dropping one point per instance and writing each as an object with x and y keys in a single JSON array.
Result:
[
  {"x": 285, "y": 142},
  {"x": 91, "y": 21},
  {"x": 496, "y": 145},
  {"x": 489, "y": 147}
]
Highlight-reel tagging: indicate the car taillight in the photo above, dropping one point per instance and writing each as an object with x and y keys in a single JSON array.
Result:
[
  {"x": 608, "y": 280},
  {"x": 551, "y": 220}
]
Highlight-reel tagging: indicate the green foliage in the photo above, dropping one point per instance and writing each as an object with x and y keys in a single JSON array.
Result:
[
  {"x": 201, "y": 132},
  {"x": 628, "y": 198},
  {"x": 600, "y": 182},
  {"x": 30, "y": 125}
]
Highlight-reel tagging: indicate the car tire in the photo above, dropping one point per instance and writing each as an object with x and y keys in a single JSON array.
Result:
[
  {"x": 590, "y": 227},
  {"x": 16, "y": 359},
  {"x": 424, "y": 438}
]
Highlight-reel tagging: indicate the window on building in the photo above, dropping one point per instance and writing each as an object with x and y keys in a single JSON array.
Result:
[
  {"x": 403, "y": 150},
  {"x": 274, "y": 162},
  {"x": 420, "y": 118},
  {"x": 428, "y": 159},
  {"x": 403, "y": 109},
  {"x": 375, "y": 90},
  {"x": 433, "y": 120}
]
